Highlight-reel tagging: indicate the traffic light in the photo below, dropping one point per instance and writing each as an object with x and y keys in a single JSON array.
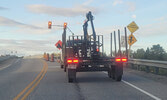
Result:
[
  {"x": 65, "y": 25},
  {"x": 49, "y": 24}
]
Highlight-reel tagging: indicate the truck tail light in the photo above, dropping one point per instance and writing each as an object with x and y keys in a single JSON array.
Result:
[
  {"x": 118, "y": 59},
  {"x": 75, "y": 61},
  {"x": 69, "y": 61},
  {"x": 124, "y": 59},
  {"x": 121, "y": 60},
  {"x": 97, "y": 49}
]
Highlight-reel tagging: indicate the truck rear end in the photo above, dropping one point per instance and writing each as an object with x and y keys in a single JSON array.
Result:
[{"x": 85, "y": 53}]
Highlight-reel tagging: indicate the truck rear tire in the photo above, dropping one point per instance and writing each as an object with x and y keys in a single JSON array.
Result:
[
  {"x": 71, "y": 74},
  {"x": 118, "y": 78},
  {"x": 65, "y": 68},
  {"x": 70, "y": 80},
  {"x": 61, "y": 66},
  {"x": 118, "y": 72},
  {"x": 111, "y": 72}
]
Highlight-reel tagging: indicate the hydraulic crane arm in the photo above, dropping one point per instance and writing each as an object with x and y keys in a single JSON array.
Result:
[{"x": 89, "y": 17}]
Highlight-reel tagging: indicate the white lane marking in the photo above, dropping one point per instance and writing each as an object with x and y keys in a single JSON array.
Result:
[
  {"x": 16, "y": 60},
  {"x": 5, "y": 67},
  {"x": 9, "y": 65},
  {"x": 54, "y": 66},
  {"x": 141, "y": 90}
]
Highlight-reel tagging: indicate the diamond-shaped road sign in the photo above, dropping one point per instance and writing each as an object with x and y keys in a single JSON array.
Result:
[
  {"x": 132, "y": 27},
  {"x": 131, "y": 39},
  {"x": 59, "y": 44}
]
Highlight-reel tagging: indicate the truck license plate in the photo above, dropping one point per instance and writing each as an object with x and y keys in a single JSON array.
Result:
[{"x": 72, "y": 66}]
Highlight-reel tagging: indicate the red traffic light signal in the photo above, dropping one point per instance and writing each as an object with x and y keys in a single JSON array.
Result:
[
  {"x": 49, "y": 24},
  {"x": 65, "y": 25}
]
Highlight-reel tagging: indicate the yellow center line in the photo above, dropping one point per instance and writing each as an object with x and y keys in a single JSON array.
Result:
[
  {"x": 33, "y": 87},
  {"x": 27, "y": 87}
]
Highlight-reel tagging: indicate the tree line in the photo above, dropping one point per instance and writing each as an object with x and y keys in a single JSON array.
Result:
[{"x": 156, "y": 52}]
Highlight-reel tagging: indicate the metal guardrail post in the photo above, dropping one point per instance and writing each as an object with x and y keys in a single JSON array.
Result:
[
  {"x": 138, "y": 67},
  {"x": 156, "y": 70},
  {"x": 147, "y": 69},
  {"x": 132, "y": 66}
]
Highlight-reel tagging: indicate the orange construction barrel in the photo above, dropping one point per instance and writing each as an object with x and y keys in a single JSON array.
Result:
[
  {"x": 52, "y": 57},
  {"x": 47, "y": 57}
]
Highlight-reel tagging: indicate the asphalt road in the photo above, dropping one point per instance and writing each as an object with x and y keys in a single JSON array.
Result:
[{"x": 35, "y": 79}]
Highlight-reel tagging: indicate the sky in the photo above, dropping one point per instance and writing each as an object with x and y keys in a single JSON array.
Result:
[{"x": 24, "y": 30}]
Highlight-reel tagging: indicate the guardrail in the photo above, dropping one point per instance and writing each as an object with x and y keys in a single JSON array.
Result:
[
  {"x": 153, "y": 66},
  {"x": 3, "y": 58}
]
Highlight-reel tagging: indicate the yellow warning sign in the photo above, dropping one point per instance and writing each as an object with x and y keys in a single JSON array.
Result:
[
  {"x": 131, "y": 39},
  {"x": 132, "y": 27}
]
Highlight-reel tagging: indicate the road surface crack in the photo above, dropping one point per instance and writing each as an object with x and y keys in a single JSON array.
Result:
[{"x": 80, "y": 94}]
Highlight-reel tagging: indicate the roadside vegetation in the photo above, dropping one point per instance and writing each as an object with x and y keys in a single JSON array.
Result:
[{"x": 156, "y": 52}]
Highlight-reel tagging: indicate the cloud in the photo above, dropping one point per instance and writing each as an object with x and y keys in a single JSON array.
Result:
[
  {"x": 9, "y": 22},
  {"x": 154, "y": 29},
  {"x": 22, "y": 27},
  {"x": 134, "y": 16},
  {"x": 27, "y": 47},
  {"x": 3, "y": 8},
  {"x": 131, "y": 6},
  {"x": 161, "y": 18},
  {"x": 124, "y": 6},
  {"x": 67, "y": 12},
  {"x": 116, "y": 2},
  {"x": 88, "y": 2},
  {"x": 157, "y": 28}
]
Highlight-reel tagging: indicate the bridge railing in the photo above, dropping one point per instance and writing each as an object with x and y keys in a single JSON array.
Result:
[{"x": 153, "y": 66}]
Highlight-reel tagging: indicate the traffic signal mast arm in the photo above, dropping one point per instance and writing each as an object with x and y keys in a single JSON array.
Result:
[
  {"x": 50, "y": 25},
  {"x": 65, "y": 26}
]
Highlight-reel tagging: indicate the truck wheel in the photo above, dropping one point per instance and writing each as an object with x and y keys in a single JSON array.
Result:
[
  {"x": 71, "y": 74},
  {"x": 61, "y": 66},
  {"x": 70, "y": 80},
  {"x": 109, "y": 73},
  {"x": 118, "y": 78},
  {"x": 65, "y": 68},
  {"x": 118, "y": 72}
]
